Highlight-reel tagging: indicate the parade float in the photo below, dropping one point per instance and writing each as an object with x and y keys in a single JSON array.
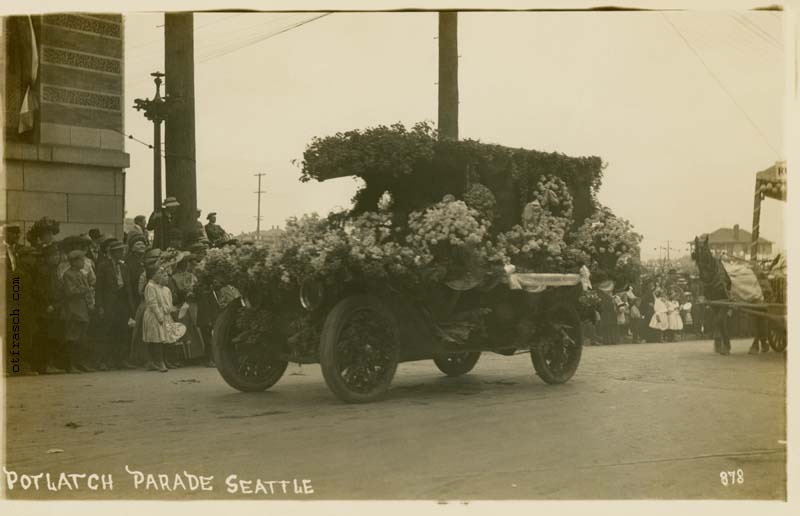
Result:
[{"x": 450, "y": 249}]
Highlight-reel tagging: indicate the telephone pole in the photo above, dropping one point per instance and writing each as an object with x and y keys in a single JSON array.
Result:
[
  {"x": 181, "y": 169},
  {"x": 258, "y": 217},
  {"x": 448, "y": 75}
]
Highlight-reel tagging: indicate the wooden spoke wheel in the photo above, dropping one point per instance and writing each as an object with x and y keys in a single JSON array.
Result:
[
  {"x": 557, "y": 350},
  {"x": 248, "y": 368},
  {"x": 359, "y": 349},
  {"x": 456, "y": 364}
]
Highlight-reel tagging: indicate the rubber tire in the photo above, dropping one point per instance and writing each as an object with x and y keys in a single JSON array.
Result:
[
  {"x": 776, "y": 336},
  {"x": 538, "y": 359},
  {"x": 228, "y": 371},
  {"x": 463, "y": 366},
  {"x": 334, "y": 323}
]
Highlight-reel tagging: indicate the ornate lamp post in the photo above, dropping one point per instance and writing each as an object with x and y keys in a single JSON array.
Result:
[{"x": 156, "y": 110}]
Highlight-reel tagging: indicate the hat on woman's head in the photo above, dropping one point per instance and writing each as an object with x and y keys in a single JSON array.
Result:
[
  {"x": 75, "y": 254},
  {"x": 170, "y": 258},
  {"x": 132, "y": 239}
]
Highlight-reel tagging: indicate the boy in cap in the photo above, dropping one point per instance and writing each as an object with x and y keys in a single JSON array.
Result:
[{"x": 77, "y": 300}]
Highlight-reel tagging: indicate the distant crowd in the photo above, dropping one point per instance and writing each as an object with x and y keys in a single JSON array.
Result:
[
  {"x": 95, "y": 302},
  {"x": 660, "y": 310}
]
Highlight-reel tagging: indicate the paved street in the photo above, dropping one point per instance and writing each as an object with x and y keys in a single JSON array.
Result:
[{"x": 637, "y": 421}]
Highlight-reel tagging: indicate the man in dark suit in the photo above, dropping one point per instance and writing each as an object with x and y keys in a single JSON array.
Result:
[
  {"x": 115, "y": 306},
  {"x": 214, "y": 231},
  {"x": 164, "y": 225}
]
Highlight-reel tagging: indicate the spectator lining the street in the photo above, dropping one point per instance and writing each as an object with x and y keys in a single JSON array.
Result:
[
  {"x": 636, "y": 321},
  {"x": 675, "y": 325},
  {"x": 157, "y": 319},
  {"x": 216, "y": 235},
  {"x": 659, "y": 322},
  {"x": 52, "y": 334},
  {"x": 115, "y": 304},
  {"x": 140, "y": 228},
  {"x": 78, "y": 301}
]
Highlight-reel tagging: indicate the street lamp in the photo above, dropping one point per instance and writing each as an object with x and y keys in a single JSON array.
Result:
[{"x": 156, "y": 110}]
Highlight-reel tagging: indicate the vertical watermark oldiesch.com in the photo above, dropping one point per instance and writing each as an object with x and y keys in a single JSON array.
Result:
[{"x": 13, "y": 325}]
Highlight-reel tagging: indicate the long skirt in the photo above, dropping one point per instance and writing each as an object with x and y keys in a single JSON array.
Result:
[{"x": 138, "y": 348}]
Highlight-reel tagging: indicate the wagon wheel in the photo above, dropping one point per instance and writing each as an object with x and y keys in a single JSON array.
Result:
[
  {"x": 247, "y": 368},
  {"x": 456, "y": 364},
  {"x": 359, "y": 349},
  {"x": 557, "y": 350},
  {"x": 776, "y": 336}
]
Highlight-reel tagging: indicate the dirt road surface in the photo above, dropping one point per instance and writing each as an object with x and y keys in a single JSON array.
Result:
[{"x": 657, "y": 421}]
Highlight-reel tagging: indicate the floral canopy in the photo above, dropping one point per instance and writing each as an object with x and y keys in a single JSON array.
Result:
[{"x": 772, "y": 181}]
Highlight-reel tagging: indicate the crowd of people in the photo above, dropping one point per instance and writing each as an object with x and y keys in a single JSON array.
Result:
[
  {"x": 658, "y": 311},
  {"x": 93, "y": 302}
]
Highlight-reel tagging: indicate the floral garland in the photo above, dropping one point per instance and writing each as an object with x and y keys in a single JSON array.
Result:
[
  {"x": 554, "y": 196},
  {"x": 450, "y": 240}
]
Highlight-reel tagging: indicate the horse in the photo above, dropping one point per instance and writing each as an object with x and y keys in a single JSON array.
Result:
[{"x": 716, "y": 287}]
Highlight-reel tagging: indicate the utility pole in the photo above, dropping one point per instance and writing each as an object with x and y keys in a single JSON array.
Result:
[
  {"x": 448, "y": 75},
  {"x": 181, "y": 169},
  {"x": 258, "y": 217}
]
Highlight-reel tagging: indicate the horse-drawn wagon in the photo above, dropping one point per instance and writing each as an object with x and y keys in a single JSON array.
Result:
[
  {"x": 733, "y": 286},
  {"x": 418, "y": 269}
]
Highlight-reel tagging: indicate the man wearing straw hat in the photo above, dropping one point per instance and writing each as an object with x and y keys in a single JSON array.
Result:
[{"x": 163, "y": 224}]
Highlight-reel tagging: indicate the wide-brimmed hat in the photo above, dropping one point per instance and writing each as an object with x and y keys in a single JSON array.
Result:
[
  {"x": 212, "y": 214},
  {"x": 154, "y": 253},
  {"x": 170, "y": 258},
  {"x": 75, "y": 254},
  {"x": 606, "y": 286},
  {"x": 151, "y": 257},
  {"x": 171, "y": 202},
  {"x": 116, "y": 245},
  {"x": 198, "y": 247}
]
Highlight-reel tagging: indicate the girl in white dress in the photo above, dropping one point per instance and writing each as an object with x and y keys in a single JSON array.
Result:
[
  {"x": 157, "y": 319},
  {"x": 674, "y": 322},
  {"x": 659, "y": 321}
]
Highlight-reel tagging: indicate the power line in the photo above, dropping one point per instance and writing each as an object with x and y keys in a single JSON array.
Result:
[
  {"x": 720, "y": 83},
  {"x": 259, "y": 39},
  {"x": 757, "y": 31}
]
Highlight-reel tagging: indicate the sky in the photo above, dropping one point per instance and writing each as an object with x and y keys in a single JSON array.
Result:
[{"x": 683, "y": 107}]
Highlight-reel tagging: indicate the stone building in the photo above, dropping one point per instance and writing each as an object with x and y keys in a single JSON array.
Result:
[{"x": 64, "y": 147}]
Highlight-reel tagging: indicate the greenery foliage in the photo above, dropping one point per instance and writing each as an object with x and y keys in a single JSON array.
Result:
[{"x": 429, "y": 212}]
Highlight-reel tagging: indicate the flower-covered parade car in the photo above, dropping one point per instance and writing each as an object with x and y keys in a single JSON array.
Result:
[{"x": 441, "y": 257}]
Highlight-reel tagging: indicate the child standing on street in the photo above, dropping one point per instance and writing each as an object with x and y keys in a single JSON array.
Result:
[
  {"x": 78, "y": 302},
  {"x": 158, "y": 325},
  {"x": 636, "y": 321}
]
